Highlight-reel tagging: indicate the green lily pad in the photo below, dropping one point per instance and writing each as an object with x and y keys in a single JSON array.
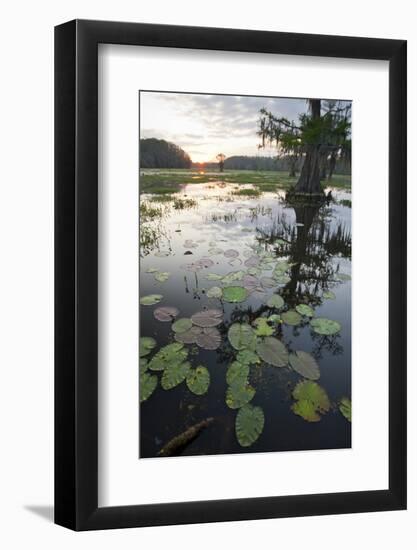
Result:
[
  {"x": 237, "y": 373},
  {"x": 274, "y": 318},
  {"x": 305, "y": 364},
  {"x": 171, "y": 354},
  {"x": 146, "y": 345},
  {"x": 242, "y": 336},
  {"x": 291, "y": 317},
  {"x": 275, "y": 301},
  {"x": 174, "y": 374},
  {"x": 304, "y": 309},
  {"x": 207, "y": 318},
  {"x": 214, "y": 292},
  {"x": 249, "y": 424},
  {"x": 255, "y": 271},
  {"x": 150, "y": 300},
  {"x": 272, "y": 351},
  {"x": 312, "y": 400},
  {"x": 198, "y": 380},
  {"x": 213, "y": 277},
  {"x": 238, "y": 395},
  {"x": 262, "y": 327},
  {"x": 235, "y": 294},
  {"x": 182, "y": 325},
  {"x": 345, "y": 407},
  {"x": 162, "y": 276},
  {"x": 329, "y": 295},
  {"x": 232, "y": 277},
  {"x": 143, "y": 365},
  {"x": 147, "y": 385},
  {"x": 325, "y": 326},
  {"x": 343, "y": 277},
  {"x": 189, "y": 336},
  {"x": 281, "y": 267},
  {"x": 268, "y": 282},
  {"x": 152, "y": 270},
  {"x": 247, "y": 357},
  {"x": 283, "y": 279}
]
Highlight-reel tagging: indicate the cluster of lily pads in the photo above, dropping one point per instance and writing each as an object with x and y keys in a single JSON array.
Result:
[{"x": 253, "y": 344}]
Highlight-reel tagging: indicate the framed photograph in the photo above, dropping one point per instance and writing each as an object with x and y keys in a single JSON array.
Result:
[{"x": 230, "y": 244}]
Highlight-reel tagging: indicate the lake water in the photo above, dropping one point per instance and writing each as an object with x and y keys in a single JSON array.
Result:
[{"x": 316, "y": 242}]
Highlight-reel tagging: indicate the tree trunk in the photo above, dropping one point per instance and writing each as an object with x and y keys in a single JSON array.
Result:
[
  {"x": 309, "y": 180},
  {"x": 293, "y": 162},
  {"x": 332, "y": 166}
]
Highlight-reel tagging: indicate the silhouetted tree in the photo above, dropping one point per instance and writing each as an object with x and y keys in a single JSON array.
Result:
[
  {"x": 221, "y": 158},
  {"x": 158, "y": 153}
]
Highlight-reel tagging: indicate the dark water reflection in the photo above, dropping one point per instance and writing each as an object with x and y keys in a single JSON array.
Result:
[{"x": 317, "y": 240}]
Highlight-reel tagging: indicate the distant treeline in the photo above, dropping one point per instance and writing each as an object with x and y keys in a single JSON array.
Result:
[
  {"x": 158, "y": 153},
  {"x": 265, "y": 163}
]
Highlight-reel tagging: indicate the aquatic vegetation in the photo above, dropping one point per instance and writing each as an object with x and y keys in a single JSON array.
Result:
[
  {"x": 213, "y": 277},
  {"x": 214, "y": 292},
  {"x": 305, "y": 364},
  {"x": 146, "y": 345},
  {"x": 247, "y": 192},
  {"x": 181, "y": 204},
  {"x": 305, "y": 310},
  {"x": 198, "y": 380},
  {"x": 241, "y": 336},
  {"x": 189, "y": 336},
  {"x": 235, "y": 294},
  {"x": 262, "y": 327},
  {"x": 272, "y": 351},
  {"x": 150, "y": 300},
  {"x": 171, "y": 354},
  {"x": 343, "y": 277},
  {"x": 247, "y": 357},
  {"x": 208, "y": 318},
  {"x": 345, "y": 407},
  {"x": 147, "y": 385},
  {"x": 325, "y": 327},
  {"x": 161, "y": 276},
  {"x": 329, "y": 295},
  {"x": 268, "y": 282},
  {"x": 174, "y": 374},
  {"x": 237, "y": 373},
  {"x": 231, "y": 253},
  {"x": 311, "y": 401},
  {"x": 275, "y": 301},
  {"x": 165, "y": 314},
  {"x": 148, "y": 212},
  {"x": 238, "y": 395},
  {"x": 291, "y": 317},
  {"x": 209, "y": 338},
  {"x": 249, "y": 424},
  {"x": 232, "y": 277},
  {"x": 182, "y": 325}
]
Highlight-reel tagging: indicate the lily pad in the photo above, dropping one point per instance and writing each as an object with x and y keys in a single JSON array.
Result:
[
  {"x": 252, "y": 261},
  {"x": 304, "y": 309},
  {"x": 281, "y": 267},
  {"x": 190, "y": 244},
  {"x": 182, "y": 325},
  {"x": 213, "y": 277},
  {"x": 325, "y": 327},
  {"x": 343, "y": 277},
  {"x": 231, "y": 253},
  {"x": 165, "y": 314},
  {"x": 312, "y": 400},
  {"x": 242, "y": 336},
  {"x": 215, "y": 251},
  {"x": 188, "y": 337},
  {"x": 234, "y": 294},
  {"x": 147, "y": 385},
  {"x": 214, "y": 292},
  {"x": 208, "y": 318},
  {"x": 143, "y": 365},
  {"x": 291, "y": 317},
  {"x": 146, "y": 345},
  {"x": 209, "y": 338},
  {"x": 174, "y": 374},
  {"x": 345, "y": 407},
  {"x": 249, "y": 424},
  {"x": 150, "y": 300},
  {"x": 162, "y": 276},
  {"x": 282, "y": 279},
  {"x": 262, "y": 327},
  {"x": 237, "y": 373},
  {"x": 247, "y": 357},
  {"x": 274, "y": 318},
  {"x": 254, "y": 271},
  {"x": 170, "y": 354},
  {"x": 250, "y": 282},
  {"x": 238, "y": 395},
  {"x": 305, "y": 364},
  {"x": 329, "y": 295},
  {"x": 272, "y": 351},
  {"x": 268, "y": 282},
  {"x": 275, "y": 301},
  {"x": 232, "y": 277},
  {"x": 162, "y": 253},
  {"x": 152, "y": 270},
  {"x": 198, "y": 380}
]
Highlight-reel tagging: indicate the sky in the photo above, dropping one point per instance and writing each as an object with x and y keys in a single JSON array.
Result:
[{"x": 205, "y": 125}]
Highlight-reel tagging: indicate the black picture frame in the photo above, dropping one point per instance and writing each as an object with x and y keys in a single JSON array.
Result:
[{"x": 76, "y": 272}]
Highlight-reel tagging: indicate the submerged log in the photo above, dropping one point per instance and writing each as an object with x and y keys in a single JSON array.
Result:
[{"x": 179, "y": 442}]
